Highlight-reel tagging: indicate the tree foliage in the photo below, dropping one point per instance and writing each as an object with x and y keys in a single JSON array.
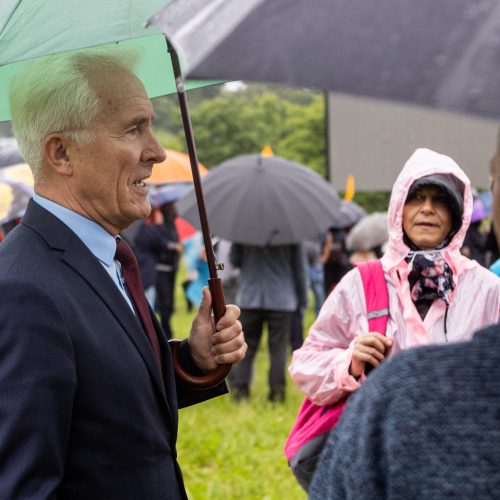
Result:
[{"x": 230, "y": 123}]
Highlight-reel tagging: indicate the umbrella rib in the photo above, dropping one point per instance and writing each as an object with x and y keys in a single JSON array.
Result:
[{"x": 11, "y": 15}]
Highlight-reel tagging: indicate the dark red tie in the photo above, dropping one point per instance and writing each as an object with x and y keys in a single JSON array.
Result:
[{"x": 130, "y": 271}]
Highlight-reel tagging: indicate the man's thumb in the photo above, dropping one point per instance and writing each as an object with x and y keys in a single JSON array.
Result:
[{"x": 206, "y": 302}]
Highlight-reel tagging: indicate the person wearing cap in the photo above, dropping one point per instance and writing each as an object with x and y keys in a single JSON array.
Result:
[
  {"x": 426, "y": 424},
  {"x": 436, "y": 295}
]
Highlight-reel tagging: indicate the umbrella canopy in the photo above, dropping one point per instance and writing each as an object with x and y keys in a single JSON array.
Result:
[
  {"x": 479, "y": 211},
  {"x": 176, "y": 168},
  {"x": 264, "y": 200},
  {"x": 369, "y": 233},
  {"x": 167, "y": 194},
  {"x": 184, "y": 228},
  {"x": 20, "y": 173},
  {"x": 350, "y": 213},
  {"x": 486, "y": 198},
  {"x": 442, "y": 54},
  {"x": 14, "y": 197},
  {"x": 9, "y": 152},
  {"x": 30, "y": 29}
]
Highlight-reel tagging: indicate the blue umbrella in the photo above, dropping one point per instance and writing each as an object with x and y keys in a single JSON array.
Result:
[
  {"x": 167, "y": 194},
  {"x": 486, "y": 198}
]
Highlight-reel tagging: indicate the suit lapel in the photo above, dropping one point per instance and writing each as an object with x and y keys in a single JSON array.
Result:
[
  {"x": 84, "y": 263},
  {"x": 171, "y": 389}
]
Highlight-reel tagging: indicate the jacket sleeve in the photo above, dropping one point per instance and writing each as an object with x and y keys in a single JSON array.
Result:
[
  {"x": 301, "y": 275},
  {"x": 186, "y": 396},
  {"x": 236, "y": 254},
  {"x": 320, "y": 368},
  {"x": 38, "y": 381}
]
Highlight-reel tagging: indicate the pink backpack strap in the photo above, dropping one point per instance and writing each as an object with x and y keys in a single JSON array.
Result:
[{"x": 376, "y": 295}]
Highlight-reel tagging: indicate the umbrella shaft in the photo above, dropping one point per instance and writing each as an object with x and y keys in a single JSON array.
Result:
[{"x": 186, "y": 121}]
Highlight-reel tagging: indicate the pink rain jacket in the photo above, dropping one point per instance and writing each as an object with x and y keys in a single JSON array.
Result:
[{"x": 321, "y": 366}]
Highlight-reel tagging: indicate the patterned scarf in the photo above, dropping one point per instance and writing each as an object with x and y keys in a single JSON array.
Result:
[{"x": 430, "y": 276}]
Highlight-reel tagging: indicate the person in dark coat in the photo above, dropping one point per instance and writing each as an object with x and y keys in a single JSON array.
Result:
[
  {"x": 148, "y": 244},
  {"x": 89, "y": 397},
  {"x": 166, "y": 267}
]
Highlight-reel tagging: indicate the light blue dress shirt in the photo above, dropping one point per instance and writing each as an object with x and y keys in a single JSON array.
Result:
[{"x": 101, "y": 243}]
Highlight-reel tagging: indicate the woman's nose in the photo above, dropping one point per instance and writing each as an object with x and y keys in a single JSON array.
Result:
[{"x": 428, "y": 205}]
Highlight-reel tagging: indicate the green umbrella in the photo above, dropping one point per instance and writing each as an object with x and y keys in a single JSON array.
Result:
[{"x": 32, "y": 28}]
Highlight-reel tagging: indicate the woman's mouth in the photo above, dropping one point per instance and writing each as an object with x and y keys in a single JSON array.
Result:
[{"x": 426, "y": 224}]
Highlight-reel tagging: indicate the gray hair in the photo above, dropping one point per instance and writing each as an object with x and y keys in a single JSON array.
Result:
[{"x": 53, "y": 94}]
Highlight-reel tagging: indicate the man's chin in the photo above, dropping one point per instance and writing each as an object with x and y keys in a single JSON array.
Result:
[
  {"x": 141, "y": 211},
  {"x": 137, "y": 214}
]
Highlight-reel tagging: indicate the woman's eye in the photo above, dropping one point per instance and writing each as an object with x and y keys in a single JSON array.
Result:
[{"x": 439, "y": 199}]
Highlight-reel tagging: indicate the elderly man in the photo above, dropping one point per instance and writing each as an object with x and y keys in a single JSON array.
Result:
[
  {"x": 426, "y": 424},
  {"x": 89, "y": 400}
]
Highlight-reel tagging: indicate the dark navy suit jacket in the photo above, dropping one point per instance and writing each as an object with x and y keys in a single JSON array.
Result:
[{"x": 84, "y": 412}]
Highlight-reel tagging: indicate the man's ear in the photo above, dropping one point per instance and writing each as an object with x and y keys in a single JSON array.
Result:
[{"x": 55, "y": 154}]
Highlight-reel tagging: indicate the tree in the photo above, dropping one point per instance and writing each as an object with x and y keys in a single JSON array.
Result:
[
  {"x": 242, "y": 122},
  {"x": 304, "y": 140}
]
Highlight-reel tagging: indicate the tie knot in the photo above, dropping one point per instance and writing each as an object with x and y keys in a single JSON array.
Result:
[{"x": 124, "y": 253}]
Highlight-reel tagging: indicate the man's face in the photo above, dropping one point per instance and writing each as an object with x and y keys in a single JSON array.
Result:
[
  {"x": 109, "y": 172},
  {"x": 495, "y": 187}
]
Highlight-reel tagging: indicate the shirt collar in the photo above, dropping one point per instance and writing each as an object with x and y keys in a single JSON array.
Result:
[{"x": 101, "y": 243}]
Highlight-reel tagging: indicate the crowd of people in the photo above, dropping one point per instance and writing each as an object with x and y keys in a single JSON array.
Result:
[{"x": 92, "y": 380}]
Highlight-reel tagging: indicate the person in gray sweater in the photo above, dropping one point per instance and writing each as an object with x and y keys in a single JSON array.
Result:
[
  {"x": 273, "y": 285},
  {"x": 426, "y": 424}
]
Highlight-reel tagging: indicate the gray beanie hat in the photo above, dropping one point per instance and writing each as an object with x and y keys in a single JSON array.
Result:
[{"x": 452, "y": 187}]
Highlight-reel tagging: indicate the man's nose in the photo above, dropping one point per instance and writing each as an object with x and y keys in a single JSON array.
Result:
[{"x": 154, "y": 151}]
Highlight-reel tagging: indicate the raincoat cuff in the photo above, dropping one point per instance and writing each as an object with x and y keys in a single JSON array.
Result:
[{"x": 343, "y": 379}]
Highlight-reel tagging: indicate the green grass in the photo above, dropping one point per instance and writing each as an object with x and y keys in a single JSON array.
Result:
[{"x": 235, "y": 451}]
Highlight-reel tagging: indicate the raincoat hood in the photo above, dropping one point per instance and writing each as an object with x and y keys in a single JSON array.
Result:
[{"x": 422, "y": 163}]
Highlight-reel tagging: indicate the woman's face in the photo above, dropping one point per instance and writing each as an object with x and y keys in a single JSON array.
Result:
[{"x": 427, "y": 218}]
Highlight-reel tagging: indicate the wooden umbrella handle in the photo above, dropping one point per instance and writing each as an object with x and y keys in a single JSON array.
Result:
[{"x": 213, "y": 377}]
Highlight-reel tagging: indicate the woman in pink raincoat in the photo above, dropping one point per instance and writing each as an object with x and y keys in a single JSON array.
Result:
[{"x": 436, "y": 295}]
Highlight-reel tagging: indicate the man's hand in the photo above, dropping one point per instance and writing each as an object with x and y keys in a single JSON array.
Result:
[
  {"x": 368, "y": 348},
  {"x": 222, "y": 344}
]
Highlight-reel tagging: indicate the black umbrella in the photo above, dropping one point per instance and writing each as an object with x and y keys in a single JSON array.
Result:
[
  {"x": 350, "y": 213},
  {"x": 264, "y": 200},
  {"x": 439, "y": 53}
]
